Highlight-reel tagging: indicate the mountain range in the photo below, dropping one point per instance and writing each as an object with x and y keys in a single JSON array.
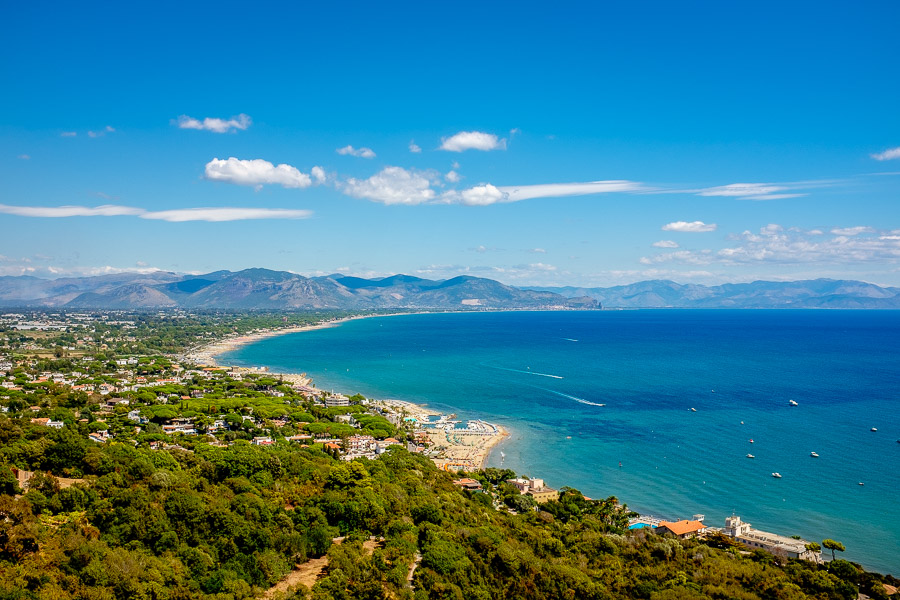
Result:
[
  {"x": 263, "y": 289},
  {"x": 813, "y": 293}
]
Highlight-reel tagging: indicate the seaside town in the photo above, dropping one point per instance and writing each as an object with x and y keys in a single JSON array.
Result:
[{"x": 80, "y": 373}]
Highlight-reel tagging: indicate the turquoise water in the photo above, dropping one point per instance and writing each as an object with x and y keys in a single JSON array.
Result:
[{"x": 544, "y": 375}]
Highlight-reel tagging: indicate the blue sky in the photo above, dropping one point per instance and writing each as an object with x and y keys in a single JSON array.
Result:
[{"x": 567, "y": 145}]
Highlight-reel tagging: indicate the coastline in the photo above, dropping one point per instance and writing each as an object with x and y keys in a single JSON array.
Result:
[
  {"x": 462, "y": 449},
  {"x": 453, "y": 448},
  {"x": 206, "y": 354}
]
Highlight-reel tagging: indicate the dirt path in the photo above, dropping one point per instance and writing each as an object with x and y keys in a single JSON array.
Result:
[
  {"x": 412, "y": 570},
  {"x": 309, "y": 572}
]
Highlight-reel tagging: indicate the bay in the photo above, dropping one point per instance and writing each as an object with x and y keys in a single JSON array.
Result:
[{"x": 545, "y": 375}]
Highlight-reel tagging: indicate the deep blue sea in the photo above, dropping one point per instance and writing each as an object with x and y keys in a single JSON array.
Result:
[{"x": 544, "y": 375}]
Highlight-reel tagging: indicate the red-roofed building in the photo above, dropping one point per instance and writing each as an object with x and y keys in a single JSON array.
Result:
[{"x": 682, "y": 529}]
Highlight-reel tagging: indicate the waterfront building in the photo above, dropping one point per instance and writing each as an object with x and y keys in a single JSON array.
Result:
[
  {"x": 681, "y": 529},
  {"x": 770, "y": 542}
]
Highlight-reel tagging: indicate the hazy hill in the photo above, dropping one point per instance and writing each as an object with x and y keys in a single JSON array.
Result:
[{"x": 815, "y": 293}]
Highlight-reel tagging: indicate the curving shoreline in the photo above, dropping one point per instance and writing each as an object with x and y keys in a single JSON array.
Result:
[{"x": 467, "y": 450}]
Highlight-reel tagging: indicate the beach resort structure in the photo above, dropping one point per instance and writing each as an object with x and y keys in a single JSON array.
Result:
[
  {"x": 770, "y": 542},
  {"x": 682, "y": 529},
  {"x": 536, "y": 489}
]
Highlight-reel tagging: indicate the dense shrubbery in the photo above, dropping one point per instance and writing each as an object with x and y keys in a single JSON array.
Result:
[{"x": 229, "y": 522}]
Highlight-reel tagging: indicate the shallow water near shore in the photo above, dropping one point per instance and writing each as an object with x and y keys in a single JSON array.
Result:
[{"x": 545, "y": 375}]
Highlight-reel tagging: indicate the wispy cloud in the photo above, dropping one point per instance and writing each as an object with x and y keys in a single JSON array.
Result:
[
  {"x": 211, "y": 214},
  {"x": 239, "y": 122},
  {"x": 889, "y": 154},
  {"x": 538, "y": 251},
  {"x": 472, "y": 140},
  {"x": 852, "y": 230},
  {"x": 452, "y": 177},
  {"x": 220, "y": 214},
  {"x": 349, "y": 150},
  {"x": 759, "y": 191},
  {"x": 557, "y": 190},
  {"x": 774, "y": 244},
  {"x": 393, "y": 185},
  {"x": 665, "y": 244},
  {"x": 101, "y": 132},
  {"x": 24, "y": 157},
  {"x": 106, "y": 210},
  {"x": 690, "y": 227},
  {"x": 414, "y": 147},
  {"x": 256, "y": 172},
  {"x": 68, "y": 134}
]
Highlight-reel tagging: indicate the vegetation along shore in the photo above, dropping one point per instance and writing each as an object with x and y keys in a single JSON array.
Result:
[{"x": 131, "y": 466}]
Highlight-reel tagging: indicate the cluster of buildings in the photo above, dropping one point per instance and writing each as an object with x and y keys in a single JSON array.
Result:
[{"x": 735, "y": 528}]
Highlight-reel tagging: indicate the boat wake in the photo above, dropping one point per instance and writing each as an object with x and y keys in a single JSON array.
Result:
[
  {"x": 575, "y": 398},
  {"x": 526, "y": 372},
  {"x": 570, "y": 339}
]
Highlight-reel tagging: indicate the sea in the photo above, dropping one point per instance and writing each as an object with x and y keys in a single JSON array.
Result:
[{"x": 659, "y": 408}]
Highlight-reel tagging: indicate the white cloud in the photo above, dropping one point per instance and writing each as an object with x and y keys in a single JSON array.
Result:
[
  {"x": 256, "y": 172},
  {"x": 889, "y": 154},
  {"x": 557, "y": 190},
  {"x": 851, "y": 230},
  {"x": 472, "y": 140},
  {"x": 414, "y": 147},
  {"x": 538, "y": 251},
  {"x": 106, "y": 210},
  {"x": 481, "y": 195},
  {"x": 318, "y": 173},
  {"x": 217, "y": 215},
  {"x": 393, "y": 185},
  {"x": 349, "y": 150},
  {"x": 665, "y": 244},
  {"x": 692, "y": 227},
  {"x": 24, "y": 157},
  {"x": 233, "y": 124},
  {"x": 452, "y": 177},
  {"x": 68, "y": 134},
  {"x": 213, "y": 214}
]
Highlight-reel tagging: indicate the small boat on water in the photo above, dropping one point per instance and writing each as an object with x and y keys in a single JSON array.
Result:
[
  {"x": 861, "y": 483},
  {"x": 776, "y": 475},
  {"x": 693, "y": 410},
  {"x": 793, "y": 403},
  {"x": 751, "y": 440},
  {"x": 874, "y": 429},
  {"x": 750, "y": 456},
  {"x": 814, "y": 454}
]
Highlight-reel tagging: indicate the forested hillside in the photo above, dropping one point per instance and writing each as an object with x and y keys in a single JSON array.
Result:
[{"x": 211, "y": 522}]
